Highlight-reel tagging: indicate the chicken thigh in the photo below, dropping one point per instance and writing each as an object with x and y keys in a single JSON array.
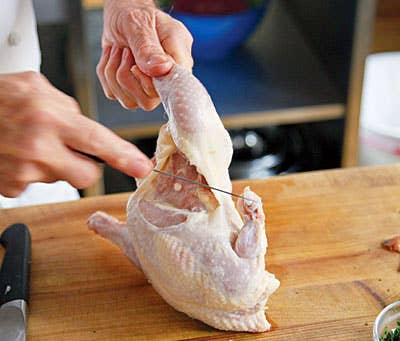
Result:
[{"x": 203, "y": 255}]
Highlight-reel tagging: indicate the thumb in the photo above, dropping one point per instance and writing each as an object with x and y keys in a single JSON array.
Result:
[{"x": 146, "y": 48}]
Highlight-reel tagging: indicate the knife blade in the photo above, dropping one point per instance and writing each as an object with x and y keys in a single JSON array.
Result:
[
  {"x": 14, "y": 282},
  {"x": 201, "y": 184},
  {"x": 95, "y": 158}
]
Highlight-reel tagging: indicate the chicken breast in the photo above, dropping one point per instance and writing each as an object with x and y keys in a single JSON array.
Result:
[{"x": 203, "y": 255}]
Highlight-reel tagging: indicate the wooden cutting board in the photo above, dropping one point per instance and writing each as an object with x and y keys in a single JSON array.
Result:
[{"x": 324, "y": 230}]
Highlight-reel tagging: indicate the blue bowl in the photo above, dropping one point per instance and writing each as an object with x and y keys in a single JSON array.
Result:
[{"x": 215, "y": 36}]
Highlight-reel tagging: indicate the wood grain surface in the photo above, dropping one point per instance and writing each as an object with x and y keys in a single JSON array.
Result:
[{"x": 324, "y": 230}]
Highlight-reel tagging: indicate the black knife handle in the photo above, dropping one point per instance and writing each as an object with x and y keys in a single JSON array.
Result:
[{"x": 15, "y": 270}]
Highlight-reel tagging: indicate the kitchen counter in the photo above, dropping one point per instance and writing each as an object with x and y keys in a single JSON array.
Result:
[{"x": 325, "y": 231}]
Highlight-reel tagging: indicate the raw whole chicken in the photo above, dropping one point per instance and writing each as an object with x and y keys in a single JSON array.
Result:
[{"x": 200, "y": 253}]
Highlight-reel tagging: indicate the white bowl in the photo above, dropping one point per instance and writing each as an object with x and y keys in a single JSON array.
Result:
[{"x": 388, "y": 317}]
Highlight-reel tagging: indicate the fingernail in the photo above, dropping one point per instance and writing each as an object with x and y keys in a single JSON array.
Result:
[
  {"x": 137, "y": 74},
  {"x": 133, "y": 70},
  {"x": 109, "y": 95},
  {"x": 125, "y": 53},
  {"x": 143, "y": 167},
  {"x": 146, "y": 89},
  {"x": 114, "y": 50},
  {"x": 107, "y": 50},
  {"x": 158, "y": 59}
]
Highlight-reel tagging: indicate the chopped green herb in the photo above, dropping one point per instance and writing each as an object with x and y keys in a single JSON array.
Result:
[{"x": 393, "y": 335}]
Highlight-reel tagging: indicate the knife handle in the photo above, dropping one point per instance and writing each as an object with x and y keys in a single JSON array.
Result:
[
  {"x": 90, "y": 156},
  {"x": 15, "y": 270}
]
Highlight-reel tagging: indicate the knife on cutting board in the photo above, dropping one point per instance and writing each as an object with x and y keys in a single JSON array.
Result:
[{"x": 14, "y": 282}]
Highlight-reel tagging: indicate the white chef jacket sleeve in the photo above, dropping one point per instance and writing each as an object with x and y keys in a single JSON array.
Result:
[{"x": 20, "y": 51}]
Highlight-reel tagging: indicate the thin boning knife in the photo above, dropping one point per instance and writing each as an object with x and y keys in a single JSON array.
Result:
[
  {"x": 95, "y": 158},
  {"x": 201, "y": 184},
  {"x": 14, "y": 283}
]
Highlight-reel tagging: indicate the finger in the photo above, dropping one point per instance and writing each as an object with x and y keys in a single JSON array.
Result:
[
  {"x": 100, "y": 72},
  {"x": 110, "y": 72},
  {"x": 176, "y": 40},
  {"x": 15, "y": 169},
  {"x": 178, "y": 49},
  {"x": 103, "y": 143},
  {"x": 129, "y": 83},
  {"x": 145, "y": 45},
  {"x": 145, "y": 81},
  {"x": 11, "y": 188},
  {"x": 78, "y": 170},
  {"x": 60, "y": 164}
]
